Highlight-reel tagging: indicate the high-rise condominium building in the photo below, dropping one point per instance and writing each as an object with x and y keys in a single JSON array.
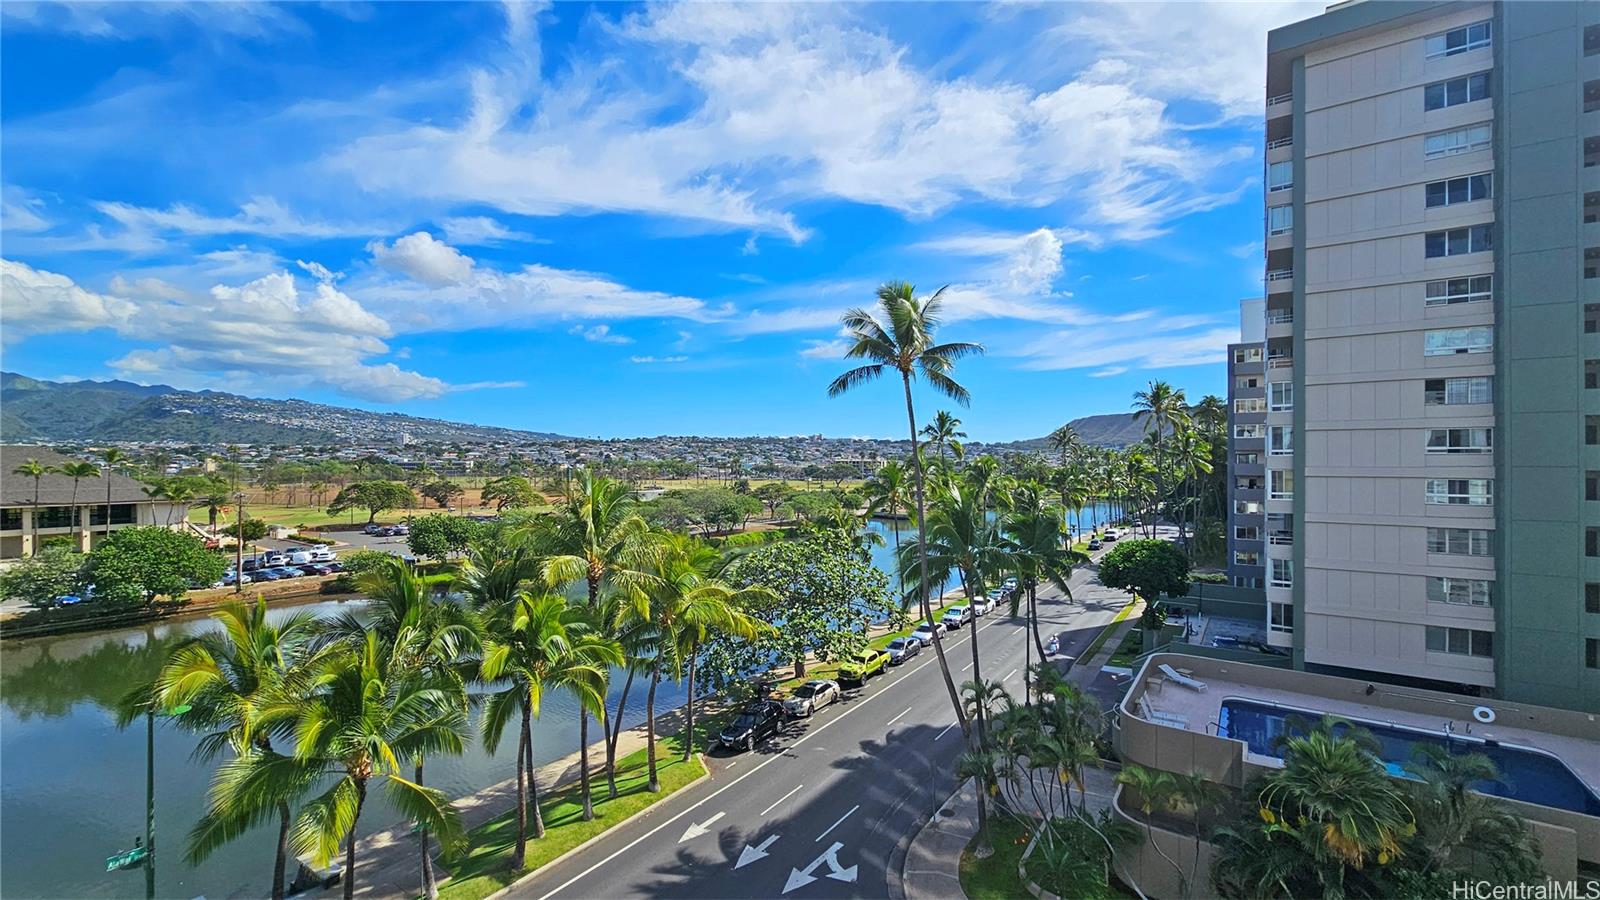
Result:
[{"x": 1431, "y": 363}]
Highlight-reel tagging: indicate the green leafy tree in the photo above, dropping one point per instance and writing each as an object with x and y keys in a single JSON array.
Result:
[
  {"x": 510, "y": 492},
  {"x": 442, "y": 492},
  {"x": 373, "y": 496},
  {"x": 437, "y": 535},
  {"x": 772, "y": 495},
  {"x": 54, "y": 571},
  {"x": 254, "y": 529},
  {"x": 136, "y": 565},
  {"x": 1149, "y": 568},
  {"x": 903, "y": 342}
]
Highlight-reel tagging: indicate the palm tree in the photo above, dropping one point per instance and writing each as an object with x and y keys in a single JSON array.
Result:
[
  {"x": 1162, "y": 408},
  {"x": 943, "y": 431},
  {"x": 32, "y": 468},
  {"x": 179, "y": 495},
  {"x": 114, "y": 461},
  {"x": 1033, "y": 544},
  {"x": 904, "y": 342},
  {"x": 886, "y": 493},
  {"x": 235, "y": 683},
  {"x": 597, "y": 538},
  {"x": 1065, "y": 442},
  {"x": 540, "y": 643},
  {"x": 1455, "y": 822},
  {"x": 1156, "y": 790},
  {"x": 78, "y": 471},
  {"x": 1191, "y": 458}
]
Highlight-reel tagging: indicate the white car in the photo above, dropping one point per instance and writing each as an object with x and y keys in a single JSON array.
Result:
[
  {"x": 299, "y": 558},
  {"x": 1009, "y": 584},
  {"x": 982, "y": 605},
  {"x": 273, "y": 559},
  {"x": 926, "y": 631},
  {"x": 321, "y": 555},
  {"x": 811, "y": 696},
  {"x": 956, "y": 616}
]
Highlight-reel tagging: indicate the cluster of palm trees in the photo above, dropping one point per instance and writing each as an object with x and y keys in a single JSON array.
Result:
[
  {"x": 312, "y": 715},
  {"x": 77, "y": 470}
]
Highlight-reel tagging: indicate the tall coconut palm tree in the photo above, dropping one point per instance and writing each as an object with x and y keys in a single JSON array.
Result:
[
  {"x": 599, "y": 539},
  {"x": 887, "y": 492},
  {"x": 78, "y": 471},
  {"x": 114, "y": 461},
  {"x": 1033, "y": 545},
  {"x": 540, "y": 643},
  {"x": 239, "y": 684},
  {"x": 1065, "y": 442},
  {"x": 943, "y": 431},
  {"x": 1190, "y": 455},
  {"x": 904, "y": 343},
  {"x": 1162, "y": 408},
  {"x": 32, "y": 468}
]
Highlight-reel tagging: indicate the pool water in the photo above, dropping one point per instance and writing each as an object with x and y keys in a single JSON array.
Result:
[{"x": 1527, "y": 775}]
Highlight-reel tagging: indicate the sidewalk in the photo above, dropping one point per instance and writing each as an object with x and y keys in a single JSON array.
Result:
[{"x": 1086, "y": 671}]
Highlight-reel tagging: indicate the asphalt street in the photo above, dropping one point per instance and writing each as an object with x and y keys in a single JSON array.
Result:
[{"x": 819, "y": 811}]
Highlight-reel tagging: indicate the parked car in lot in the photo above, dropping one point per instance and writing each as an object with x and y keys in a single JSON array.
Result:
[
  {"x": 402, "y": 528},
  {"x": 322, "y": 555},
  {"x": 288, "y": 572},
  {"x": 1095, "y": 545},
  {"x": 1009, "y": 584},
  {"x": 927, "y": 630},
  {"x": 812, "y": 696},
  {"x": 863, "y": 665},
  {"x": 902, "y": 649},
  {"x": 231, "y": 578},
  {"x": 956, "y": 616},
  {"x": 274, "y": 558},
  {"x": 757, "y": 722},
  {"x": 982, "y": 605},
  {"x": 298, "y": 558},
  {"x": 316, "y": 569},
  {"x": 266, "y": 575},
  {"x": 372, "y": 528}
]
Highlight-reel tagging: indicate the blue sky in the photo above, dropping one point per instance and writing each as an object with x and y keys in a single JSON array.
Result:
[{"x": 624, "y": 220}]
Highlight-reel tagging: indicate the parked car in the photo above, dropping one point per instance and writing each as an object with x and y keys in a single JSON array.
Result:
[
  {"x": 811, "y": 696},
  {"x": 956, "y": 616},
  {"x": 757, "y": 722},
  {"x": 68, "y": 600},
  {"x": 1009, "y": 584},
  {"x": 229, "y": 579},
  {"x": 1095, "y": 545},
  {"x": 267, "y": 575},
  {"x": 863, "y": 665},
  {"x": 927, "y": 630},
  {"x": 1110, "y": 535},
  {"x": 321, "y": 555},
  {"x": 372, "y": 528},
  {"x": 298, "y": 558},
  {"x": 252, "y": 564},
  {"x": 288, "y": 572},
  {"x": 902, "y": 649},
  {"x": 275, "y": 558},
  {"x": 335, "y": 566},
  {"x": 982, "y": 605},
  {"x": 402, "y": 528}
]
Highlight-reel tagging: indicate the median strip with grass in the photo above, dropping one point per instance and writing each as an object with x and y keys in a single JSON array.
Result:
[
  {"x": 1105, "y": 633},
  {"x": 485, "y": 865}
]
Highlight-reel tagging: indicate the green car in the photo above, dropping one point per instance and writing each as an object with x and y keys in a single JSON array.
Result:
[{"x": 863, "y": 665}]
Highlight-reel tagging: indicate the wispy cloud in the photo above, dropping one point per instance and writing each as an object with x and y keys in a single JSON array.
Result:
[
  {"x": 657, "y": 360},
  {"x": 599, "y": 334}
]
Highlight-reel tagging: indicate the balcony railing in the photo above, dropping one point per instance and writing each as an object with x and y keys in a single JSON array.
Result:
[
  {"x": 1280, "y": 142},
  {"x": 1281, "y": 538},
  {"x": 1280, "y": 274},
  {"x": 1282, "y": 362},
  {"x": 1281, "y": 98},
  {"x": 1280, "y": 316}
]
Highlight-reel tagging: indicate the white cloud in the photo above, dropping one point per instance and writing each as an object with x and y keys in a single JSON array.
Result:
[
  {"x": 834, "y": 349},
  {"x": 124, "y": 20},
  {"x": 600, "y": 334},
  {"x": 424, "y": 258},
  {"x": 261, "y": 215},
  {"x": 21, "y": 211},
  {"x": 750, "y": 247},
  {"x": 482, "y": 231},
  {"x": 655, "y": 360},
  {"x": 264, "y": 334},
  {"x": 1113, "y": 348},
  {"x": 319, "y": 271}
]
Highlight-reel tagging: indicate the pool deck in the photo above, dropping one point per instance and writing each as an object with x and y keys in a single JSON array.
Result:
[{"x": 1175, "y": 706}]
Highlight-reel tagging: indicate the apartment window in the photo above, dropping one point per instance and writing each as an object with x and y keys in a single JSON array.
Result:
[
  {"x": 1457, "y": 391},
  {"x": 1591, "y": 485},
  {"x": 1459, "y": 140},
  {"x": 1460, "y": 492},
  {"x": 1591, "y": 262},
  {"x": 1460, "y": 641},
  {"x": 1281, "y": 484},
  {"x": 1591, "y": 152},
  {"x": 1247, "y": 483},
  {"x": 1591, "y": 95},
  {"x": 1460, "y": 440},
  {"x": 1459, "y": 541},
  {"x": 1247, "y": 355},
  {"x": 1458, "y": 40},
  {"x": 1280, "y": 617},
  {"x": 1247, "y": 507},
  {"x": 1591, "y": 374},
  {"x": 1591, "y": 318},
  {"x": 1280, "y": 219},
  {"x": 1591, "y": 597},
  {"x": 1449, "y": 291},
  {"x": 1456, "y": 91},
  {"x": 121, "y": 514},
  {"x": 1458, "y": 241},
  {"x": 1591, "y": 40},
  {"x": 54, "y": 517},
  {"x": 1247, "y": 581},
  {"x": 1247, "y": 459},
  {"x": 1280, "y": 440},
  {"x": 1250, "y": 405},
  {"x": 1450, "y": 341},
  {"x": 1246, "y": 558},
  {"x": 1591, "y": 207},
  {"x": 1280, "y": 396},
  {"x": 1244, "y": 432},
  {"x": 1246, "y": 533},
  {"x": 1591, "y": 430},
  {"x": 1247, "y": 382},
  {"x": 10, "y": 519},
  {"x": 1465, "y": 189},
  {"x": 1282, "y": 574},
  {"x": 1280, "y": 176},
  {"x": 1459, "y": 591},
  {"x": 1591, "y": 542},
  {"x": 1591, "y": 652}
]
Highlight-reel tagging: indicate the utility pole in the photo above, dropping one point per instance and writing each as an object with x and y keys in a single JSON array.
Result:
[
  {"x": 150, "y": 803},
  {"x": 238, "y": 544}
]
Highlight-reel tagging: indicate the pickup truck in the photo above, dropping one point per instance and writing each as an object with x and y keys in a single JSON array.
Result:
[{"x": 863, "y": 665}]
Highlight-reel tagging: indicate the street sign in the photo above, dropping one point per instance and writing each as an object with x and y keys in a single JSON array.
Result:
[{"x": 127, "y": 859}]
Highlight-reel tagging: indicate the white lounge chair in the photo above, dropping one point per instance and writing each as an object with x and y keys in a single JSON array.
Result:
[
  {"x": 1176, "y": 720},
  {"x": 1193, "y": 684}
]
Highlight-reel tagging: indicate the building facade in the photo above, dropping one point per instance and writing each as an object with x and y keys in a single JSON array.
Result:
[
  {"x": 64, "y": 511},
  {"x": 1432, "y": 358},
  {"x": 1247, "y": 432}
]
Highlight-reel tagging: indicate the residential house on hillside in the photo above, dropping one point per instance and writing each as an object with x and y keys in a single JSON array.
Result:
[{"x": 85, "y": 524}]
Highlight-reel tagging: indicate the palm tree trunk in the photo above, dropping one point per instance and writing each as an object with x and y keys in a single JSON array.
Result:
[
  {"x": 583, "y": 763},
  {"x": 430, "y": 887},
  {"x": 922, "y": 559},
  {"x": 650, "y": 725},
  {"x": 688, "y": 732},
  {"x": 613, "y": 732},
  {"x": 350, "y": 843},
  {"x": 281, "y": 861},
  {"x": 1033, "y": 613},
  {"x": 108, "y": 501},
  {"x": 533, "y": 783},
  {"x": 519, "y": 855}
]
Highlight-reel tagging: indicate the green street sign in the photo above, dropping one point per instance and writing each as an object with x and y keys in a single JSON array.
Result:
[{"x": 127, "y": 859}]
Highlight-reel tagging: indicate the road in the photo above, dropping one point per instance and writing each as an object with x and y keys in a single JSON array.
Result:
[{"x": 820, "y": 811}]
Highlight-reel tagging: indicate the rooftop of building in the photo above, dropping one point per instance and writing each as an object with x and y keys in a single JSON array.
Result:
[{"x": 56, "y": 489}]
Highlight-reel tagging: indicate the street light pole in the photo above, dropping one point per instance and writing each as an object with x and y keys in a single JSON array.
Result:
[
  {"x": 238, "y": 544},
  {"x": 150, "y": 803}
]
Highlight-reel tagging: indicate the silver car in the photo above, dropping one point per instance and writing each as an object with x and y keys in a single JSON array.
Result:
[
  {"x": 811, "y": 696},
  {"x": 902, "y": 649}
]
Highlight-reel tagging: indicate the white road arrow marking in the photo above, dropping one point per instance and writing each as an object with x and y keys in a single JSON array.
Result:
[
  {"x": 802, "y": 877},
  {"x": 694, "y": 831},
  {"x": 750, "y": 854}
]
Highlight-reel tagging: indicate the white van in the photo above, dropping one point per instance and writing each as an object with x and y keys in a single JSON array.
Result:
[{"x": 299, "y": 558}]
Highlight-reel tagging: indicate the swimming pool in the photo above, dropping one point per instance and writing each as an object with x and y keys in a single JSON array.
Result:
[{"x": 1528, "y": 775}]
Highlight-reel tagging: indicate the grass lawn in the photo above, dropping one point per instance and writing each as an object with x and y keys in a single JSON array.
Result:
[
  {"x": 996, "y": 878},
  {"x": 1132, "y": 645},
  {"x": 485, "y": 866},
  {"x": 1105, "y": 633}
]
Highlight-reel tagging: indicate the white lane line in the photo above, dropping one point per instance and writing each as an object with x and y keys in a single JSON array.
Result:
[
  {"x": 714, "y": 794},
  {"x": 783, "y": 798},
  {"x": 1009, "y": 674},
  {"x": 898, "y": 718},
  {"x": 966, "y": 667},
  {"x": 942, "y": 733},
  {"x": 838, "y": 823}
]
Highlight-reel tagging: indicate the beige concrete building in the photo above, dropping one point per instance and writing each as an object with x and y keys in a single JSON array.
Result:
[{"x": 67, "y": 512}]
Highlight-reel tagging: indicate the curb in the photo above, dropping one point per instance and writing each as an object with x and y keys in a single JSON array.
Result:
[
  {"x": 902, "y": 852},
  {"x": 596, "y": 839}
]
